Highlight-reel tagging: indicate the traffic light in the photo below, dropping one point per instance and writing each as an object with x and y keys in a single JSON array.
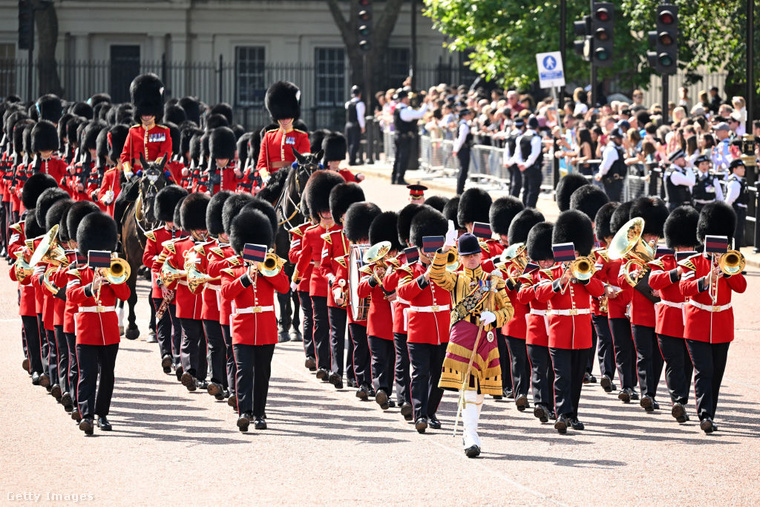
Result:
[
  {"x": 602, "y": 23},
  {"x": 25, "y": 24},
  {"x": 664, "y": 41},
  {"x": 364, "y": 24},
  {"x": 582, "y": 29}
]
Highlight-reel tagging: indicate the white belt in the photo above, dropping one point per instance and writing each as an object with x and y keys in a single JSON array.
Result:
[
  {"x": 402, "y": 301},
  {"x": 429, "y": 309},
  {"x": 253, "y": 309},
  {"x": 97, "y": 309},
  {"x": 709, "y": 308},
  {"x": 542, "y": 313},
  {"x": 572, "y": 312},
  {"x": 672, "y": 304}
]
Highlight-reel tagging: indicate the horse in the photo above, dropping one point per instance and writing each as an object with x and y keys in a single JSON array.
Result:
[{"x": 134, "y": 212}]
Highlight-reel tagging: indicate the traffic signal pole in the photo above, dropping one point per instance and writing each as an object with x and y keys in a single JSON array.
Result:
[
  {"x": 665, "y": 96},
  {"x": 30, "y": 65}
]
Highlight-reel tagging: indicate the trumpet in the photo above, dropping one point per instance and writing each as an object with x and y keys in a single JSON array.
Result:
[
  {"x": 119, "y": 271},
  {"x": 272, "y": 265},
  {"x": 732, "y": 262},
  {"x": 582, "y": 268},
  {"x": 195, "y": 278}
]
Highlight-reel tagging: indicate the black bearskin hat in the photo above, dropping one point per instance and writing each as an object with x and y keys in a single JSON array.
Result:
[
  {"x": 572, "y": 226},
  {"x": 474, "y": 205},
  {"x": 654, "y": 211},
  {"x": 222, "y": 143},
  {"x": 588, "y": 199},
  {"x": 405, "y": 217},
  {"x": 716, "y": 219},
  {"x": 166, "y": 201},
  {"x": 31, "y": 228},
  {"x": 318, "y": 189},
  {"x": 539, "y": 244},
  {"x": 503, "y": 210},
  {"x": 193, "y": 212},
  {"x": 214, "y": 121},
  {"x": 174, "y": 113},
  {"x": 342, "y": 196},
  {"x": 681, "y": 227},
  {"x": 99, "y": 98},
  {"x": 177, "y": 216},
  {"x": 383, "y": 228},
  {"x": 266, "y": 208},
  {"x": 50, "y": 108},
  {"x": 427, "y": 222},
  {"x": 283, "y": 101},
  {"x": 522, "y": 224},
  {"x": 56, "y": 212},
  {"x": 187, "y": 134},
  {"x": 316, "y": 139},
  {"x": 358, "y": 220},
  {"x": 63, "y": 230},
  {"x": 27, "y": 137},
  {"x": 62, "y": 129},
  {"x": 224, "y": 109},
  {"x": 620, "y": 217},
  {"x": 175, "y": 134},
  {"x": 72, "y": 128},
  {"x": 242, "y": 148},
  {"x": 450, "y": 211},
  {"x": 82, "y": 109},
  {"x": 90, "y": 135},
  {"x": 117, "y": 136},
  {"x": 250, "y": 226},
  {"x": 97, "y": 231},
  {"x": 602, "y": 220},
  {"x": 192, "y": 107},
  {"x": 101, "y": 151},
  {"x": 76, "y": 214},
  {"x": 565, "y": 188},
  {"x": 45, "y": 201},
  {"x": 147, "y": 92},
  {"x": 334, "y": 147},
  {"x": 438, "y": 202},
  {"x": 34, "y": 187},
  {"x": 44, "y": 137},
  {"x": 232, "y": 207},
  {"x": 19, "y": 130},
  {"x": 214, "y": 223}
]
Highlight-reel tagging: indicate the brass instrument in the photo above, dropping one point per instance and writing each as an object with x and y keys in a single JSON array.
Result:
[
  {"x": 359, "y": 306},
  {"x": 582, "y": 268},
  {"x": 119, "y": 272},
  {"x": 50, "y": 286},
  {"x": 169, "y": 274},
  {"x": 374, "y": 259},
  {"x": 195, "y": 278},
  {"x": 272, "y": 265},
  {"x": 732, "y": 262},
  {"x": 628, "y": 244},
  {"x": 49, "y": 251},
  {"x": 513, "y": 261},
  {"x": 22, "y": 268},
  {"x": 452, "y": 260}
]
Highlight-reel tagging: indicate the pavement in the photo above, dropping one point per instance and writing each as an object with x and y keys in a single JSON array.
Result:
[{"x": 325, "y": 447}]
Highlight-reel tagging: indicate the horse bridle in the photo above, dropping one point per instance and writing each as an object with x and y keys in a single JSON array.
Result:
[
  {"x": 152, "y": 190},
  {"x": 286, "y": 195}
]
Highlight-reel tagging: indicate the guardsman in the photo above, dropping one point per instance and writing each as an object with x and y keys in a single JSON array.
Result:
[
  {"x": 221, "y": 165},
  {"x": 110, "y": 188},
  {"x": 679, "y": 180},
  {"x": 148, "y": 138},
  {"x": 81, "y": 184},
  {"x": 296, "y": 244},
  {"x": 334, "y": 149},
  {"x": 709, "y": 317},
  {"x": 283, "y": 101},
  {"x": 254, "y": 325},
  {"x": 96, "y": 322},
  {"x": 707, "y": 186},
  {"x": 24, "y": 157},
  {"x": 45, "y": 150}
]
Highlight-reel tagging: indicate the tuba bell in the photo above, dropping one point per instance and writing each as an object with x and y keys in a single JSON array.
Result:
[
  {"x": 119, "y": 271},
  {"x": 377, "y": 252},
  {"x": 628, "y": 244},
  {"x": 272, "y": 265},
  {"x": 732, "y": 262},
  {"x": 49, "y": 251}
]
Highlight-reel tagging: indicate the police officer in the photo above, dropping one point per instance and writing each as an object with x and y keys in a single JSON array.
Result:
[
  {"x": 405, "y": 124},
  {"x": 612, "y": 170},
  {"x": 355, "y": 127},
  {"x": 737, "y": 197},
  {"x": 462, "y": 146},
  {"x": 707, "y": 186},
  {"x": 515, "y": 176},
  {"x": 530, "y": 157},
  {"x": 678, "y": 180}
]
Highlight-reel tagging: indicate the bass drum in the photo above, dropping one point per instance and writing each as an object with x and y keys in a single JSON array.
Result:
[{"x": 359, "y": 306}]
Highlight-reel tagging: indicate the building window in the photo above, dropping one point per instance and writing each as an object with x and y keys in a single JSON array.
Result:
[
  {"x": 249, "y": 75},
  {"x": 7, "y": 69},
  {"x": 397, "y": 63},
  {"x": 330, "y": 73}
]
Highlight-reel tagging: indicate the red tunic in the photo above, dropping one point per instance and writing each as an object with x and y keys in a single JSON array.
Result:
[
  {"x": 189, "y": 305},
  {"x": 27, "y": 298},
  {"x": 334, "y": 263},
  {"x": 210, "y": 290},
  {"x": 311, "y": 253},
  {"x": 537, "y": 326},
  {"x": 642, "y": 309},
  {"x": 154, "y": 144},
  {"x": 95, "y": 328},
  {"x": 664, "y": 278},
  {"x": 390, "y": 282},
  {"x": 111, "y": 181},
  {"x": 380, "y": 315},
  {"x": 296, "y": 245},
  {"x": 276, "y": 149},
  {"x": 227, "y": 180},
  {"x": 175, "y": 168},
  {"x": 490, "y": 250},
  {"x": 153, "y": 247},
  {"x": 617, "y": 306},
  {"x": 219, "y": 258},
  {"x": 428, "y": 315}
]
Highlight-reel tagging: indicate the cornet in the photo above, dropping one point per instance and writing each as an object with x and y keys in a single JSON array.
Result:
[
  {"x": 452, "y": 260},
  {"x": 195, "y": 278},
  {"x": 119, "y": 271},
  {"x": 271, "y": 266},
  {"x": 732, "y": 262}
]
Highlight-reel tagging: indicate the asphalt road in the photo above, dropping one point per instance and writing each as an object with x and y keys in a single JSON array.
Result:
[{"x": 324, "y": 446}]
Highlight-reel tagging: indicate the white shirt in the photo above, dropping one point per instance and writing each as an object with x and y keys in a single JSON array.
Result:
[
  {"x": 682, "y": 176},
  {"x": 535, "y": 148},
  {"x": 721, "y": 155},
  {"x": 408, "y": 114},
  {"x": 361, "y": 109},
  {"x": 464, "y": 129},
  {"x": 734, "y": 190},
  {"x": 609, "y": 157}
]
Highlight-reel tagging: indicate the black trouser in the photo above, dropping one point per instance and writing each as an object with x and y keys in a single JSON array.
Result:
[
  {"x": 229, "y": 380},
  {"x": 308, "y": 323},
  {"x": 32, "y": 337},
  {"x": 337, "y": 317},
  {"x": 605, "y": 347},
  {"x": 91, "y": 360},
  {"x": 515, "y": 180},
  {"x": 361, "y": 357},
  {"x": 613, "y": 188},
  {"x": 193, "y": 349},
  {"x": 321, "y": 331},
  {"x": 426, "y": 360},
  {"x": 709, "y": 362},
  {"x": 44, "y": 346},
  {"x": 403, "y": 144},
  {"x": 71, "y": 343},
  {"x": 217, "y": 350},
  {"x": 286, "y": 311},
  {"x": 741, "y": 219},
  {"x": 3, "y": 228},
  {"x": 532, "y": 179},
  {"x": 624, "y": 352},
  {"x": 254, "y": 368},
  {"x": 463, "y": 155},
  {"x": 52, "y": 357},
  {"x": 590, "y": 359},
  {"x": 163, "y": 329},
  {"x": 569, "y": 368},
  {"x": 151, "y": 324},
  {"x": 383, "y": 363},
  {"x": 542, "y": 378},
  {"x": 648, "y": 359},
  {"x": 506, "y": 374},
  {"x": 176, "y": 343},
  {"x": 353, "y": 140},
  {"x": 519, "y": 366},
  {"x": 402, "y": 368},
  {"x": 678, "y": 367},
  {"x": 63, "y": 359}
]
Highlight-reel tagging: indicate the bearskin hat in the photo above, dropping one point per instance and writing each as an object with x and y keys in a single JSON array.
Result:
[
  {"x": 97, "y": 231},
  {"x": 147, "y": 92},
  {"x": 45, "y": 201},
  {"x": 33, "y": 112},
  {"x": 358, "y": 220},
  {"x": 503, "y": 210},
  {"x": 26, "y": 135},
  {"x": 222, "y": 143},
  {"x": 254, "y": 145},
  {"x": 175, "y": 135},
  {"x": 572, "y": 226},
  {"x": 681, "y": 227},
  {"x": 204, "y": 145},
  {"x": 62, "y": 129},
  {"x": 316, "y": 139},
  {"x": 405, "y": 217},
  {"x": 72, "y": 129},
  {"x": 56, "y": 212},
  {"x": 18, "y": 134},
  {"x": 539, "y": 244},
  {"x": 427, "y": 222},
  {"x": 192, "y": 107},
  {"x": 716, "y": 219},
  {"x": 565, "y": 188},
  {"x": 383, "y": 228},
  {"x": 318, "y": 189},
  {"x": 123, "y": 113},
  {"x": 250, "y": 226},
  {"x": 166, "y": 201},
  {"x": 31, "y": 227},
  {"x": 437, "y": 202},
  {"x": 214, "y": 121},
  {"x": 242, "y": 148},
  {"x": 193, "y": 212},
  {"x": 283, "y": 101},
  {"x": 450, "y": 211},
  {"x": 185, "y": 138},
  {"x": 11, "y": 121},
  {"x": 100, "y": 112},
  {"x": 177, "y": 216},
  {"x": 620, "y": 217},
  {"x": 602, "y": 220},
  {"x": 90, "y": 135},
  {"x": 50, "y": 108},
  {"x": 76, "y": 214},
  {"x": 174, "y": 113},
  {"x": 224, "y": 109},
  {"x": 102, "y": 146},
  {"x": 63, "y": 230},
  {"x": 44, "y": 137},
  {"x": 522, "y": 224},
  {"x": 474, "y": 205},
  {"x": 34, "y": 187},
  {"x": 266, "y": 208},
  {"x": 588, "y": 199},
  {"x": 334, "y": 147},
  {"x": 654, "y": 211},
  {"x": 232, "y": 207},
  {"x": 117, "y": 136},
  {"x": 99, "y": 98},
  {"x": 214, "y": 223},
  {"x": 342, "y": 196}
]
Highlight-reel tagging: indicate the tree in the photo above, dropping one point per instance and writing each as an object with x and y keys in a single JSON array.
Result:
[{"x": 46, "y": 24}]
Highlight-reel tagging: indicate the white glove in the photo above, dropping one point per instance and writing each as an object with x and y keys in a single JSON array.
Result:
[
  {"x": 497, "y": 272},
  {"x": 330, "y": 279},
  {"x": 293, "y": 286},
  {"x": 108, "y": 198},
  {"x": 451, "y": 235},
  {"x": 128, "y": 175},
  {"x": 487, "y": 318}
]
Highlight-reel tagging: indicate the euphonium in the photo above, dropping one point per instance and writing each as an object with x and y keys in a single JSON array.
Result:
[
  {"x": 272, "y": 265},
  {"x": 49, "y": 251},
  {"x": 169, "y": 274},
  {"x": 374, "y": 258},
  {"x": 732, "y": 262},
  {"x": 452, "y": 259},
  {"x": 118, "y": 272},
  {"x": 195, "y": 278},
  {"x": 627, "y": 244},
  {"x": 22, "y": 268}
]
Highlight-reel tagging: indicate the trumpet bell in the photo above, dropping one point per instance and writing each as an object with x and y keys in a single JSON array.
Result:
[
  {"x": 377, "y": 252},
  {"x": 732, "y": 262},
  {"x": 628, "y": 243},
  {"x": 582, "y": 269},
  {"x": 119, "y": 272},
  {"x": 49, "y": 251},
  {"x": 272, "y": 265},
  {"x": 22, "y": 268}
]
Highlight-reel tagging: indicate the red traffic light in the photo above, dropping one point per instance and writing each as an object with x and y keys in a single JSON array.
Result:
[
  {"x": 602, "y": 14},
  {"x": 364, "y": 3},
  {"x": 667, "y": 17}
]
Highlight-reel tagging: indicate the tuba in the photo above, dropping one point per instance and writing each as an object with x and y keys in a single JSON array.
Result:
[
  {"x": 627, "y": 244},
  {"x": 374, "y": 259},
  {"x": 732, "y": 262}
]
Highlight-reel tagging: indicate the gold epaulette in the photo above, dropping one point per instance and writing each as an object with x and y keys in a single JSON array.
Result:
[
  {"x": 602, "y": 252},
  {"x": 548, "y": 273},
  {"x": 75, "y": 273},
  {"x": 658, "y": 263},
  {"x": 218, "y": 252},
  {"x": 233, "y": 260},
  {"x": 367, "y": 270},
  {"x": 342, "y": 261},
  {"x": 484, "y": 247},
  {"x": 17, "y": 227},
  {"x": 296, "y": 231},
  {"x": 228, "y": 271},
  {"x": 151, "y": 236},
  {"x": 326, "y": 238},
  {"x": 200, "y": 250}
]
